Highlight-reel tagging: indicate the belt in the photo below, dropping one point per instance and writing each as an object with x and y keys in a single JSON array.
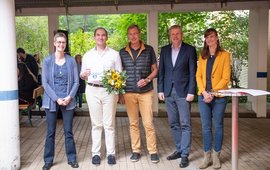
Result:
[{"x": 95, "y": 85}]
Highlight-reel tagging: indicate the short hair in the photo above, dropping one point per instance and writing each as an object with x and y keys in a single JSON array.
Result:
[
  {"x": 20, "y": 50},
  {"x": 175, "y": 27},
  {"x": 59, "y": 34},
  {"x": 100, "y": 28},
  {"x": 134, "y": 26}
]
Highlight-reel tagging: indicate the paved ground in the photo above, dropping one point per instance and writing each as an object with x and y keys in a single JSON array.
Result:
[{"x": 254, "y": 145}]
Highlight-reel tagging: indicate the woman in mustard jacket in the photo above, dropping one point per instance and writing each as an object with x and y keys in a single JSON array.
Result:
[{"x": 213, "y": 74}]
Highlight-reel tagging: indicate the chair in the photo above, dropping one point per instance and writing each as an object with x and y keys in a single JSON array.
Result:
[{"x": 27, "y": 108}]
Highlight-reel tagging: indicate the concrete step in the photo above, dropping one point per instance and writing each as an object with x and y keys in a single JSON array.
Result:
[{"x": 245, "y": 111}]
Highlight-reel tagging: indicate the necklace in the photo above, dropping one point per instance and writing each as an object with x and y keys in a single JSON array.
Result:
[
  {"x": 60, "y": 70},
  {"x": 60, "y": 62}
]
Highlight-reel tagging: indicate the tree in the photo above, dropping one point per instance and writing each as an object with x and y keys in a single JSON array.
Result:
[
  {"x": 232, "y": 26},
  {"x": 32, "y": 34},
  {"x": 193, "y": 25},
  {"x": 80, "y": 42},
  {"x": 233, "y": 31},
  {"x": 117, "y": 27}
]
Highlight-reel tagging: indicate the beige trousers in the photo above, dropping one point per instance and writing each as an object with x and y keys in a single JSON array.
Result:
[
  {"x": 142, "y": 102},
  {"x": 102, "y": 110}
]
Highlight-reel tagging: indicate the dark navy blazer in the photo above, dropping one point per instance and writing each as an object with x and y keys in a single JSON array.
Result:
[{"x": 182, "y": 75}]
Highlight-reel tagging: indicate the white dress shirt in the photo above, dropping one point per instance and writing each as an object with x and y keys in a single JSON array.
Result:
[
  {"x": 175, "y": 52},
  {"x": 100, "y": 62}
]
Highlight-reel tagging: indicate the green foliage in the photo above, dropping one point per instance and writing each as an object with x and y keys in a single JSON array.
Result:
[
  {"x": 80, "y": 42},
  {"x": 81, "y": 29},
  {"x": 32, "y": 34},
  {"x": 233, "y": 31},
  {"x": 231, "y": 25},
  {"x": 117, "y": 25},
  {"x": 193, "y": 25},
  {"x": 75, "y": 22}
]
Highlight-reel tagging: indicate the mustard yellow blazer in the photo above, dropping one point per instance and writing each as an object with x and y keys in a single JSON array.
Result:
[{"x": 221, "y": 72}]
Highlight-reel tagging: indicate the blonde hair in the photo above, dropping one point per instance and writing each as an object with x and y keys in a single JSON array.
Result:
[{"x": 175, "y": 27}]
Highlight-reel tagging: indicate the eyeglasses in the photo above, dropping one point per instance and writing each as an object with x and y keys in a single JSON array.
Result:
[
  {"x": 134, "y": 34},
  {"x": 60, "y": 42}
]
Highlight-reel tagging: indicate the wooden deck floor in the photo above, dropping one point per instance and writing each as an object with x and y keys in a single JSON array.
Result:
[{"x": 254, "y": 145}]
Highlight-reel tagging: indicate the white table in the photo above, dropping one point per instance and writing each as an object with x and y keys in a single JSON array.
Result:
[{"x": 235, "y": 93}]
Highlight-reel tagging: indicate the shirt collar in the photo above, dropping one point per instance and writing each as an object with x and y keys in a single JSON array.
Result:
[
  {"x": 178, "y": 46},
  {"x": 106, "y": 48}
]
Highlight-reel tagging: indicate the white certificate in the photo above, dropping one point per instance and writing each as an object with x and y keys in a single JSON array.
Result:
[{"x": 96, "y": 74}]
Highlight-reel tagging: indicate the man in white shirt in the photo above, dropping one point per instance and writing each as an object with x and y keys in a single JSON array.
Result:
[{"x": 101, "y": 104}]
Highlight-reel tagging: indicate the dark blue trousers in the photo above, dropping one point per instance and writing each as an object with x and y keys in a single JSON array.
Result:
[{"x": 51, "y": 118}]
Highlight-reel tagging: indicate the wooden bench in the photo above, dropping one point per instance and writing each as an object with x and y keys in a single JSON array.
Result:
[{"x": 27, "y": 108}]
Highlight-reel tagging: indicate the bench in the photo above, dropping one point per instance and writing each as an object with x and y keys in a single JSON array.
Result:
[{"x": 27, "y": 108}]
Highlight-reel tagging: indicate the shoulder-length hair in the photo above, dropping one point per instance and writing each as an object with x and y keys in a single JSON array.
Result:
[{"x": 205, "y": 52}]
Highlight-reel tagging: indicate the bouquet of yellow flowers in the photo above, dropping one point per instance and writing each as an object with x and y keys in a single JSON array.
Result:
[{"x": 114, "y": 81}]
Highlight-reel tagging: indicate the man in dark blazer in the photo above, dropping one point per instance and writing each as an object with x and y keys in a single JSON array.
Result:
[{"x": 176, "y": 86}]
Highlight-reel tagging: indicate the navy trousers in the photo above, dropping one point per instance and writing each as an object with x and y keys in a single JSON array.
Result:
[{"x": 51, "y": 118}]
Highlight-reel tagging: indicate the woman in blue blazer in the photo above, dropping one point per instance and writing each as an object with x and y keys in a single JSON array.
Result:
[{"x": 60, "y": 81}]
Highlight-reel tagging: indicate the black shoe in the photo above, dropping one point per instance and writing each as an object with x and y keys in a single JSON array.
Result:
[
  {"x": 184, "y": 162},
  {"x": 96, "y": 160},
  {"x": 47, "y": 166},
  {"x": 74, "y": 164},
  {"x": 111, "y": 160},
  {"x": 154, "y": 158},
  {"x": 174, "y": 155},
  {"x": 135, "y": 157}
]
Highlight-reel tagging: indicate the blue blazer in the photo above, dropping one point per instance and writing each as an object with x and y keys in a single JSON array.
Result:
[
  {"x": 182, "y": 75},
  {"x": 49, "y": 96}
]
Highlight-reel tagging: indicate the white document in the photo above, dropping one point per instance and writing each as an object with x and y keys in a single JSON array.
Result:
[
  {"x": 235, "y": 91},
  {"x": 96, "y": 74}
]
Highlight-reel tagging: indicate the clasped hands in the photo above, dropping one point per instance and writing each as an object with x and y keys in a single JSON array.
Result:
[
  {"x": 207, "y": 97},
  {"x": 64, "y": 101}
]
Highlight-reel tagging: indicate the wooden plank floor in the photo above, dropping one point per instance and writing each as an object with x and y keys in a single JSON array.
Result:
[{"x": 254, "y": 145}]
